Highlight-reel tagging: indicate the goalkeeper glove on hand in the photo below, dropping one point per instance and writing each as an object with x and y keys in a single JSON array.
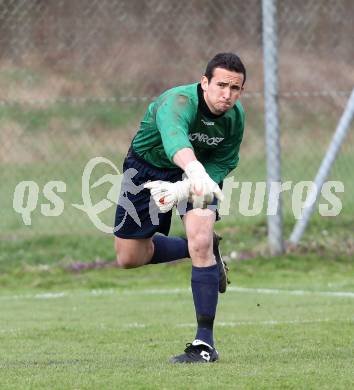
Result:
[
  {"x": 202, "y": 186},
  {"x": 166, "y": 194}
]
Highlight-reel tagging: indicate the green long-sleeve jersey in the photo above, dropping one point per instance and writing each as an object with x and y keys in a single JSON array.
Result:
[{"x": 180, "y": 118}]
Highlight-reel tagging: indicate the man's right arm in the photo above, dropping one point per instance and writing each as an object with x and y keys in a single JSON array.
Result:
[
  {"x": 183, "y": 157},
  {"x": 200, "y": 182},
  {"x": 173, "y": 120}
]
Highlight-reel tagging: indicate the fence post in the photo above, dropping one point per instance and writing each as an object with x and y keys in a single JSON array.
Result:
[
  {"x": 271, "y": 117},
  {"x": 326, "y": 165}
]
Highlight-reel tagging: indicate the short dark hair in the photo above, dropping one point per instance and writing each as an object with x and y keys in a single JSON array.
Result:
[{"x": 228, "y": 61}]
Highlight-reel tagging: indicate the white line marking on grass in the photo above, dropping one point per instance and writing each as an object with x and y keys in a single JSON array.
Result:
[
  {"x": 348, "y": 294},
  {"x": 50, "y": 295},
  {"x": 100, "y": 292},
  {"x": 9, "y": 330},
  {"x": 137, "y": 325},
  {"x": 270, "y": 322},
  {"x": 342, "y": 294},
  {"x": 134, "y": 325},
  {"x": 157, "y": 291},
  {"x": 165, "y": 291}
]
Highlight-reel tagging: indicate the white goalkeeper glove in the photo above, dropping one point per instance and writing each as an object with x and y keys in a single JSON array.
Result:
[
  {"x": 166, "y": 194},
  {"x": 203, "y": 188}
]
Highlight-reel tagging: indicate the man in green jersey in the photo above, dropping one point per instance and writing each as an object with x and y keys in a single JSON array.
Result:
[{"x": 193, "y": 131}]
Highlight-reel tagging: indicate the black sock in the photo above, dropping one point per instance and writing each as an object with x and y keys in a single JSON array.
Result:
[
  {"x": 168, "y": 249},
  {"x": 205, "y": 289}
]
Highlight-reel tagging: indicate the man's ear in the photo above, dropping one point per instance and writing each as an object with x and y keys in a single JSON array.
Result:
[{"x": 204, "y": 83}]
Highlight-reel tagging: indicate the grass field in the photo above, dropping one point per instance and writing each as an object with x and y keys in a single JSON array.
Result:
[
  {"x": 286, "y": 323},
  {"x": 122, "y": 339}
]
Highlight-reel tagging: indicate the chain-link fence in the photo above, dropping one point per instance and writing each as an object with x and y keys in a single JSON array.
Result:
[{"x": 75, "y": 78}]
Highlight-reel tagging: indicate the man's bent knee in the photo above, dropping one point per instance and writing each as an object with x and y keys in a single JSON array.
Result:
[
  {"x": 132, "y": 253},
  {"x": 127, "y": 261}
]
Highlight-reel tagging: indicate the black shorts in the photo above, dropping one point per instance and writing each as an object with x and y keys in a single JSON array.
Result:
[{"x": 137, "y": 215}]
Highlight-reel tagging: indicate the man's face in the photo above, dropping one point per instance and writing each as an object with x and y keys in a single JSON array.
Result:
[{"x": 222, "y": 91}]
